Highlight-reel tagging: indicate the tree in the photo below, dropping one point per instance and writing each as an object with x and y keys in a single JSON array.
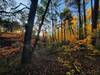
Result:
[
  {"x": 10, "y": 11},
  {"x": 95, "y": 14},
  {"x": 51, "y": 16},
  {"x": 54, "y": 14},
  {"x": 4, "y": 6},
  {"x": 27, "y": 48},
  {"x": 40, "y": 25},
  {"x": 39, "y": 14},
  {"x": 65, "y": 15},
  {"x": 92, "y": 13},
  {"x": 8, "y": 25},
  {"x": 84, "y": 17},
  {"x": 76, "y": 4}
]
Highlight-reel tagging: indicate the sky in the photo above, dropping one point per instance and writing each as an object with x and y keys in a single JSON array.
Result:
[
  {"x": 62, "y": 6},
  {"x": 88, "y": 5},
  {"x": 22, "y": 1},
  {"x": 26, "y": 2}
]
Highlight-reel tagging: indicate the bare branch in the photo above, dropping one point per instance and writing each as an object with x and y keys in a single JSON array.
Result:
[
  {"x": 25, "y": 6},
  {"x": 20, "y": 5},
  {"x": 18, "y": 11},
  {"x": 4, "y": 12}
]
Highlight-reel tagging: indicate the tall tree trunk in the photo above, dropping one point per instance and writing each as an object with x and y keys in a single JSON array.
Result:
[
  {"x": 52, "y": 22},
  {"x": 64, "y": 32},
  {"x": 95, "y": 14},
  {"x": 27, "y": 49},
  {"x": 43, "y": 17},
  {"x": 80, "y": 21},
  {"x": 52, "y": 30},
  {"x": 61, "y": 32},
  {"x": 84, "y": 18},
  {"x": 61, "y": 28},
  {"x": 58, "y": 34},
  {"x": 92, "y": 13},
  {"x": 55, "y": 34}
]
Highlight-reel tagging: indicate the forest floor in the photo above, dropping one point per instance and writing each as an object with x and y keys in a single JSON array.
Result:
[{"x": 61, "y": 61}]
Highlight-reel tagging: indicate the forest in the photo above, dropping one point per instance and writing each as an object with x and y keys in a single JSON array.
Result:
[{"x": 49, "y": 37}]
